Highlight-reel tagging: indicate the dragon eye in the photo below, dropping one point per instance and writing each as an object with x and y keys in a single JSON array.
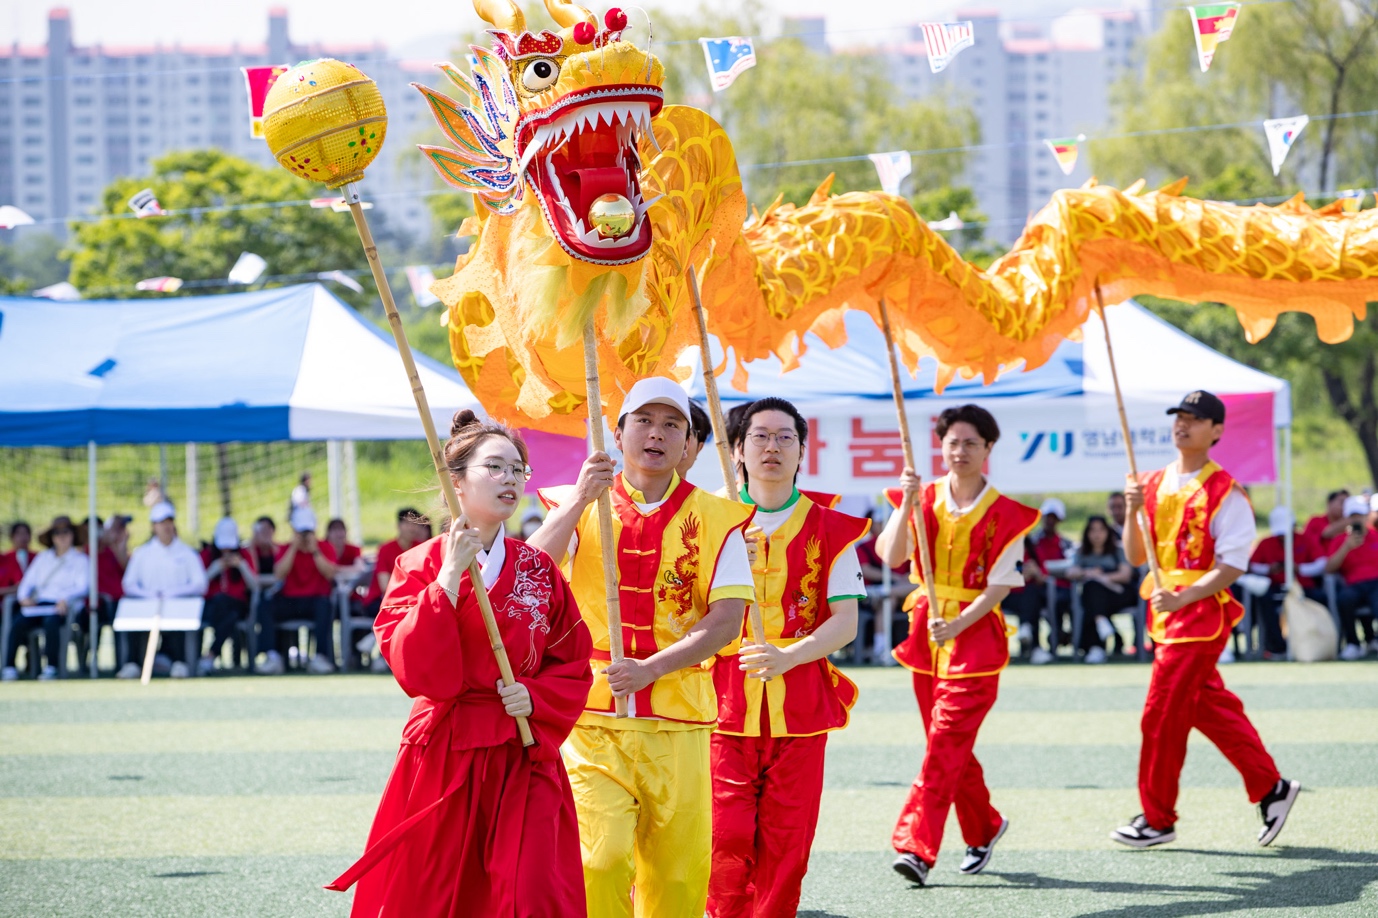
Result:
[{"x": 540, "y": 74}]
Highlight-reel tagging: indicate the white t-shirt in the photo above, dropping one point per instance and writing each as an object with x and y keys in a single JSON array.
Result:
[
  {"x": 1233, "y": 527},
  {"x": 844, "y": 580},
  {"x": 1005, "y": 572},
  {"x": 169, "y": 570}
]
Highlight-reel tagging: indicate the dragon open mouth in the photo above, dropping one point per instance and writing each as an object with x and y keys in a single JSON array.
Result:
[{"x": 585, "y": 149}]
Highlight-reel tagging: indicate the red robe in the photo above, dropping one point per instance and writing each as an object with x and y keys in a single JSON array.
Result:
[{"x": 470, "y": 822}]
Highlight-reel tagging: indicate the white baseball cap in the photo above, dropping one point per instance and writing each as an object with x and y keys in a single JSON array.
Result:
[
  {"x": 655, "y": 390},
  {"x": 1279, "y": 520},
  {"x": 1054, "y": 506},
  {"x": 1373, "y": 503},
  {"x": 226, "y": 534},
  {"x": 1356, "y": 503},
  {"x": 160, "y": 511},
  {"x": 303, "y": 519}
]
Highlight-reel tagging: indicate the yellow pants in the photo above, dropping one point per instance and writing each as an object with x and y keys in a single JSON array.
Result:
[{"x": 645, "y": 804}]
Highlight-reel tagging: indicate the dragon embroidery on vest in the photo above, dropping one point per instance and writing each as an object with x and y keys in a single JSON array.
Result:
[
  {"x": 530, "y": 591},
  {"x": 1191, "y": 537},
  {"x": 677, "y": 590},
  {"x": 803, "y": 608}
]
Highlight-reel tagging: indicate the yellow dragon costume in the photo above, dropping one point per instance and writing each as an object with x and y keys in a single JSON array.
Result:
[{"x": 591, "y": 193}]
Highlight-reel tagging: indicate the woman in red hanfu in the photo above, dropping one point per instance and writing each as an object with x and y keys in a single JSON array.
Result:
[{"x": 472, "y": 823}]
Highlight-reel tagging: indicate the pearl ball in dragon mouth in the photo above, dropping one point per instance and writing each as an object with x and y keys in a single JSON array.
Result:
[{"x": 612, "y": 216}]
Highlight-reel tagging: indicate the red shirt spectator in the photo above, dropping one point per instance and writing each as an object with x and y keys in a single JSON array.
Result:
[
  {"x": 1334, "y": 515},
  {"x": 348, "y": 555},
  {"x": 109, "y": 573},
  {"x": 305, "y": 579},
  {"x": 1049, "y": 546},
  {"x": 229, "y": 579},
  {"x": 10, "y": 573},
  {"x": 1361, "y": 564},
  {"x": 1271, "y": 552}
]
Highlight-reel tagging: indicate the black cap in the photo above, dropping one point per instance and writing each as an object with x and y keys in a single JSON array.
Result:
[{"x": 1203, "y": 405}]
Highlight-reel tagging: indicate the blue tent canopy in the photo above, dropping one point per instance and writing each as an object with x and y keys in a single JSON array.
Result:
[{"x": 291, "y": 363}]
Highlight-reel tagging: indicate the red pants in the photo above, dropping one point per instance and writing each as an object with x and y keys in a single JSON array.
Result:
[
  {"x": 765, "y": 809},
  {"x": 952, "y": 711},
  {"x": 1186, "y": 691}
]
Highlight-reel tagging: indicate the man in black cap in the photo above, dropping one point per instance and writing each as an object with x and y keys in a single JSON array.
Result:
[{"x": 1202, "y": 531}]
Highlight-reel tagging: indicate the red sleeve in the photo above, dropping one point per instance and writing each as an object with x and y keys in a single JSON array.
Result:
[
  {"x": 560, "y": 688},
  {"x": 418, "y": 631}
]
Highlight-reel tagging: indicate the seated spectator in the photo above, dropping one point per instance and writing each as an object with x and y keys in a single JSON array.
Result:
[
  {"x": 165, "y": 567},
  {"x": 1268, "y": 560},
  {"x": 346, "y": 553},
  {"x": 20, "y": 537},
  {"x": 56, "y": 580},
  {"x": 1106, "y": 587},
  {"x": 1354, "y": 555},
  {"x": 1048, "y": 545},
  {"x": 1322, "y": 529},
  {"x": 263, "y": 548},
  {"x": 228, "y": 570},
  {"x": 412, "y": 529},
  {"x": 112, "y": 557},
  {"x": 1114, "y": 507},
  {"x": 306, "y": 570}
]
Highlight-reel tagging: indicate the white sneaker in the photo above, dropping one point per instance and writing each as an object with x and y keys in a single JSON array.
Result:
[
  {"x": 9, "y": 674},
  {"x": 1352, "y": 652},
  {"x": 1025, "y": 633},
  {"x": 366, "y": 643},
  {"x": 1040, "y": 657},
  {"x": 205, "y": 666},
  {"x": 272, "y": 664},
  {"x": 319, "y": 666},
  {"x": 1226, "y": 655},
  {"x": 1095, "y": 656},
  {"x": 379, "y": 665},
  {"x": 129, "y": 670},
  {"x": 49, "y": 674},
  {"x": 1104, "y": 629},
  {"x": 179, "y": 670}
]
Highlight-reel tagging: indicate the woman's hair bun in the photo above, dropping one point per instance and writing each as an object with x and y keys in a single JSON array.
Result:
[{"x": 462, "y": 419}]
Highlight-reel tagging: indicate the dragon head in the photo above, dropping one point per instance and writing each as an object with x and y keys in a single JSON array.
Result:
[{"x": 555, "y": 117}]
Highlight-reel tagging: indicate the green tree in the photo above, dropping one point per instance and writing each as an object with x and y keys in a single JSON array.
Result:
[
  {"x": 29, "y": 260},
  {"x": 110, "y": 256}
]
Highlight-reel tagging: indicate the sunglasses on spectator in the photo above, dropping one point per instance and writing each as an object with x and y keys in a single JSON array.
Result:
[{"x": 498, "y": 471}]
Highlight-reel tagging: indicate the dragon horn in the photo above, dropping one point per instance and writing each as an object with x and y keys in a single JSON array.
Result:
[
  {"x": 567, "y": 14},
  {"x": 502, "y": 14}
]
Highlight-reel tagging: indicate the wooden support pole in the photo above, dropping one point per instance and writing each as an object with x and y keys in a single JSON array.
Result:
[
  {"x": 594, "y": 389},
  {"x": 447, "y": 486}
]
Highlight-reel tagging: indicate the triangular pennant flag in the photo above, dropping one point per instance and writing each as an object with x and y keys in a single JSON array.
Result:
[
  {"x": 145, "y": 204},
  {"x": 420, "y": 277},
  {"x": 62, "y": 290},
  {"x": 944, "y": 40},
  {"x": 258, "y": 80},
  {"x": 892, "y": 168},
  {"x": 1211, "y": 25},
  {"x": 1352, "y": 199},
  {"x": 1282, "y": 133},
  {"x": 1065, "y": 149},
  {"x": 11, "y": 216},
  {"x": 947, "y": 224},
  {"x": 727, "y": 59},
  {"x": 160, "y": 284},
  {"x": 247, "y": 269},
  {"x": 342, "y": 279}
]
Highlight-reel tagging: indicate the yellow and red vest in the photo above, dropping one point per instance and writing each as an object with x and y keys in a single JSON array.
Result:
[
  {"x": 665, "y": 564},
  {"x": 1182, "y": 540},
  {"x": 791, "y": 572},
  {"x": 965, "y": 548}
]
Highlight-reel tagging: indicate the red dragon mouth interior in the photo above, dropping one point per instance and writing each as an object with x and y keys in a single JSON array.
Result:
[{"x": 585, "y": 147}]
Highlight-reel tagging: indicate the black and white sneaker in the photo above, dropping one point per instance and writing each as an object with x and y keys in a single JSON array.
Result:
[
  {"x": 1139, "y": 834},
  {"x": 1275, "y": 807},
  {"x": 978, "y": 857},
  {"x": 912, "y": 868}
]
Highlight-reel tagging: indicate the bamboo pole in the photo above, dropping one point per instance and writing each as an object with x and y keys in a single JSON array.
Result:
[
  {"x": 729, "y": 473},
  {"x": 447, "y": 486},
  {"x": 593, "y": 387},
  {"x": 907, "y": 444},
  {"x": 1140, "y": 518}
]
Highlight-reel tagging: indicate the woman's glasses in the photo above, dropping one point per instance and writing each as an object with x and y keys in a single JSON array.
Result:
[{"x": 498, "y": 470}]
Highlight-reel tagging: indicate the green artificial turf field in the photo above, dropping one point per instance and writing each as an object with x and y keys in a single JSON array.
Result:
[{"x": 242, "y": 796}]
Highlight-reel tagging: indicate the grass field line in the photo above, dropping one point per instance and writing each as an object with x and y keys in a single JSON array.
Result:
[
  {"x": 173, "y": 736},
  {"x": 1122, "y": 674}
]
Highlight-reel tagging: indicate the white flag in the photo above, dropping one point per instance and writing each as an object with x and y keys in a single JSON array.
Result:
[
  {"x": 145, "y": 204},
  {"x": 342, "y": 279},
  {"x": 11, "y": 216},
  {"x": 1282, "y": 133},
  {"x": 420, "y": 277},
  {"x": 948, "y": 223},
  {"x": 59, "y": 291},
  {"x": 248, "y": 269},
  {"x": 945, "y": 40},
  {"x": 893, "y": 168}
]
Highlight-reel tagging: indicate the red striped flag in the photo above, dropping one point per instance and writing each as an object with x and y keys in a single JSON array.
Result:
[
  {"x": 945, "y": 40},
  {"x": 1211, "y": 25}
]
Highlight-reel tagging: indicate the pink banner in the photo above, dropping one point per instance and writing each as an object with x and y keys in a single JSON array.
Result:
[
  {"x": 1247, "y": 448},
  {"x": 555, "y": 459}
]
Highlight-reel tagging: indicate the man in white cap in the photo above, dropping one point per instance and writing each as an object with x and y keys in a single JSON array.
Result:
[
  {"x": 305, "y": 568},
  {"x": 166, "y": 567},
  {"x": 641, "y": 783},
  {"x": 228, "y": 569},
  {"x": 1353, "y": 554}
]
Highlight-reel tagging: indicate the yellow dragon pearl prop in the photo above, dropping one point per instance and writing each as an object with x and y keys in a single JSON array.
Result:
[
  {"x": 325, "y": 121},
  {"x": 612, "y": 216}
]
